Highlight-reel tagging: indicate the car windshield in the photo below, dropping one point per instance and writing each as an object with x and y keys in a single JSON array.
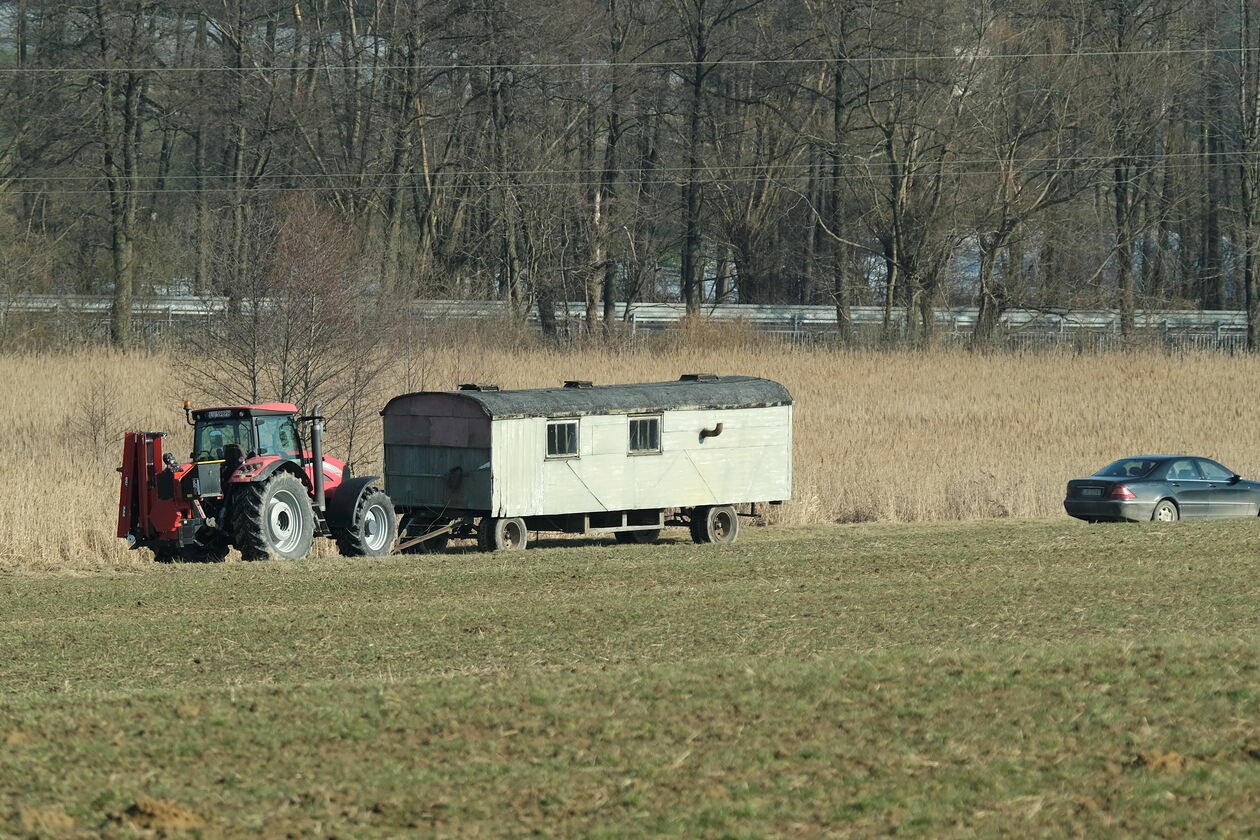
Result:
[{"x": 1128, "y": 468}]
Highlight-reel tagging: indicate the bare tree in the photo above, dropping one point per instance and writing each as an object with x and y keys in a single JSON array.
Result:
[{"x": 307, "y": 328}]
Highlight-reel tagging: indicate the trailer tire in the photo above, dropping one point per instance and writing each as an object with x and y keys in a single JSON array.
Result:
[
  {"x": 716, "y": 524},
  {"x": 638, "y": 537},
  {"x": 273, "y": 518},
  {"x": 374, "y": 528},
  {"x": 502, "y": 534}
]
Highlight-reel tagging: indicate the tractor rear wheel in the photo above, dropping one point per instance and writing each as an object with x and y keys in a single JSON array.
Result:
[
  {"x": 273, "y": 518},
  {"x": 374, "y": 528}
]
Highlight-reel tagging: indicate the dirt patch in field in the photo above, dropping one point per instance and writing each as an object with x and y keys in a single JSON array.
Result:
[
  {"x": 45, "y": 821},
  {"x": 1158, "y": 760},
  {"x": 160, "y": 815},
  {"x": 17, "y": 737}
]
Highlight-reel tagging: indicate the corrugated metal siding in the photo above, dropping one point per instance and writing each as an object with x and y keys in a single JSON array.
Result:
[
  {"x": 438, "y": 476},
  {"x": 437, "y": 453}
]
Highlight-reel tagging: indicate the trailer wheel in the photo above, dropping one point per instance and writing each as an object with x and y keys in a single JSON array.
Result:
[
  {"x": 374, "y": 528},
  {"x": 273, "y": 518},
  {"x": 506, "y": 534},
  {"x": 717, "y": 524},
  {"x": 638, "y": 537}
]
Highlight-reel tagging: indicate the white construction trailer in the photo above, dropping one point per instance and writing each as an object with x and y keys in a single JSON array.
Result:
[{"x": 621, "y": 459}]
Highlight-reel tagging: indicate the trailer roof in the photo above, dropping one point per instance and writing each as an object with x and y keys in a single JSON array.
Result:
[{"x": 722, "y": 392}]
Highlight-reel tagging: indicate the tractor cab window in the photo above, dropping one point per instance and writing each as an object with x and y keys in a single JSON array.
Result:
[
  {"x": 212, "y": 436},
  {"x": 278, "y": 435}
]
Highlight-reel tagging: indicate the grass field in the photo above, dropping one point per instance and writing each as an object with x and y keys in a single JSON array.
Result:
[
  {"x": 995, "y": 678},
  {"x": 900, "y": 437}
]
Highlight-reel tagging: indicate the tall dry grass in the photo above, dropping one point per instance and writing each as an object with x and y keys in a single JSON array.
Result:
[{"x": 879, "y": 436}]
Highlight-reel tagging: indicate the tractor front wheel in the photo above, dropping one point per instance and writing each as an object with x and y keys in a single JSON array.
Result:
[
  {"x": 273, "y": 518},
  {"x": 374, "y": 528}
]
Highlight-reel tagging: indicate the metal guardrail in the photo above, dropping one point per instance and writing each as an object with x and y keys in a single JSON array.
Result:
[
  {"x": 78, "y": 317},
  {"x": 793, "y": 317}
]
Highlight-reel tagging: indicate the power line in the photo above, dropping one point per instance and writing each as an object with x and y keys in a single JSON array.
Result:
[
  {"x": 957, "y": 165},
  {"x": 523, "y": 185},
  {"x": 961, "y": 56}
]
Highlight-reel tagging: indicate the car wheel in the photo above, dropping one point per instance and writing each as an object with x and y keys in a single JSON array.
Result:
[{"x": 1165, "y": 511}]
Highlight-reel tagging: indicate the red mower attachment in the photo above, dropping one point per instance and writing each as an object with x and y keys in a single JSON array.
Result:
[
  {"x": 254, "y": 482},
  {"x": 149, "y": 507}
]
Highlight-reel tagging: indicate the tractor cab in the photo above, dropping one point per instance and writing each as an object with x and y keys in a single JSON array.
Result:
[{"x": 225, "y": 438}]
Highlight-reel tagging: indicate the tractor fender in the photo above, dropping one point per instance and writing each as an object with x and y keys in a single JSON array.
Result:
[{"x": 345, "y": 500}]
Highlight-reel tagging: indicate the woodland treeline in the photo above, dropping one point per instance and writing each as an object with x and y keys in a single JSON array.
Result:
[{"x": 1033, "y": 153}]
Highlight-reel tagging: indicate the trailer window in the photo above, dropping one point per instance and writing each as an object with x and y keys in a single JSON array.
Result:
[
  {"x": 645, "y": 435},
  {"x": 562, "y": 439}
]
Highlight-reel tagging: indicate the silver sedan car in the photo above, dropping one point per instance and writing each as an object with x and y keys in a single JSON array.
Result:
[{"x": 1162, "y": 488}]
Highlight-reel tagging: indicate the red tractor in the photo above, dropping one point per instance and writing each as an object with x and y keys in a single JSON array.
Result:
[{"x": 253, "y": 483}]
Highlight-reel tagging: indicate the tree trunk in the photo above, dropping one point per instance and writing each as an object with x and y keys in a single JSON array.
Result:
[
  {"x": 835, "y": 203},
  {"x": 119, "y": 139},
  {"x": 1124, "y": 246},
  {"x": 692, "y": 279}
]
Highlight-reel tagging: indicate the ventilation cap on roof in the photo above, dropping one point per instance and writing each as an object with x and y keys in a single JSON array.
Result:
[
  {"x": 472, "y": 386},
  {"x": 698, "y": 377},
  {"x": 578, "y": 383}
]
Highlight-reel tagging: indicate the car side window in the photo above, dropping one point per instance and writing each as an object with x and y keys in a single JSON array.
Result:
[
  {"x": 1213, "y": 471},
  {"x": 1183, "y": 470}
]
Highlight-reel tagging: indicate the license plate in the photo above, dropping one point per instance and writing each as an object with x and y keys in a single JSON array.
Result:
[{"x": 1091, "y": 491}]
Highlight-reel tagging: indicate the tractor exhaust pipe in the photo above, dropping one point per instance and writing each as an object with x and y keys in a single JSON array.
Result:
[{"x": 317, "y": 458}]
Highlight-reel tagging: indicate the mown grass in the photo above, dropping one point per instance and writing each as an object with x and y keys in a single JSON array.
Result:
[{"x": 962, "y": 679}]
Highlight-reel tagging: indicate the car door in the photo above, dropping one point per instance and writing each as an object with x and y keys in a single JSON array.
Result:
[
  {"x": 1188, "y": 488},
  {"x": 1226, "y": 499}
]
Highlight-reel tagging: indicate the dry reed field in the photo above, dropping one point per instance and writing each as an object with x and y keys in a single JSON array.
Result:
[{"x": 893, "y": 436}]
